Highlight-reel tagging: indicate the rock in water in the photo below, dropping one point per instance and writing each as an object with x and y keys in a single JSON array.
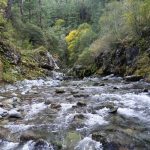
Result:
[
  {"x": 60, "y": 91},
  {"x": 133, "y": 78},
  {"x": 55, "y": 106},
  {"x": 3, "y": 112},
  {"x": 145, "y": 90},
  {"x": 29, "y": 136},
  {"x": 42, "y": 145},
  {"x": 14, "y": 114},
  {"x": 113, "y": 110},
  {"x": 81, "y": 104}
]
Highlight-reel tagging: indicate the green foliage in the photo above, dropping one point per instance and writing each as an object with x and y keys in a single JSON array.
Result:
[
  {"x": 78, "y": 40},
  {"x": 34, "y": 34}
]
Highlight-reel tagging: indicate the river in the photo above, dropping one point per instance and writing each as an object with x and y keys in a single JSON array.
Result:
[{"x": 91, "y": 114}]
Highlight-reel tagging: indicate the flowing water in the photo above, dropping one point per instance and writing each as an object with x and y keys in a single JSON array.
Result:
[{"x": 55, "y": 114}]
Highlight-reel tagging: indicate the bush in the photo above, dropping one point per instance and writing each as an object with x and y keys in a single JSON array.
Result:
[
  {"x": 34, "y": 34},
  {"x": 78, "y": 40}
]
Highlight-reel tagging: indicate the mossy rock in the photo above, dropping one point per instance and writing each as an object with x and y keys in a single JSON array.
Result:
[{"x": 72, "y": 138}]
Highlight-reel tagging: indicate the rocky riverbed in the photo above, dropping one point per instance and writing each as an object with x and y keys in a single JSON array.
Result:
[{"x": 91, "y": 114}]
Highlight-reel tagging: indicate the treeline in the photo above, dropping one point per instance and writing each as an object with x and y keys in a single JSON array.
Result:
[{"x": 76, "y": 31}]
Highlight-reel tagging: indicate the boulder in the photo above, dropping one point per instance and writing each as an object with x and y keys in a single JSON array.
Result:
[
  {"x": 79, "y": 116},
  {"x": 14, "y": 114},
  {"x": 29, "y": 136},
  {"x": 42, "y": 145},
  {"x": 81, "y": 104},
  {"x": 60, "y": 91},
  {"x": 113, "y": 110},
  {"x": 145, "y": 90},
  {"x": 133, "y": 78}
]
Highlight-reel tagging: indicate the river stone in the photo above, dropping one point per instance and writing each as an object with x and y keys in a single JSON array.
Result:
[
  {"x": 60, "y": 91},
  {"x": 80, "y": 95},
  {"x": 42, "y": 145},
  {"x": 55, "y": 106},
  {"x": 133, "y": 78},
  {"x": 47, "y": 102},
  {"x": 14, "y": 114},
  {"x": 145, "y": 90},
  {"x": 113, "y": 110},
  {"x": 99, "y": 136},
  {"x": 74, "y": 92},
  {"x": 81, "y": 104},
  {"x": 3, "y": 112},
  {"x": 29, "y": 136},
  {"x": 79, "y": 116},
  {"x": 71, "y": 139},
  {"x": 1, "y": 105},
  {"x": 115, "y": 88}
]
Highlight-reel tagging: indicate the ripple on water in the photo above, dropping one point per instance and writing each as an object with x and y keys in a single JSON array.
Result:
[
  {"x": 88, "y": 144},
  {"x": 18, "y": 128},
  {"x": 93, "y": 119},
  {"x": 34, "y": 109}
]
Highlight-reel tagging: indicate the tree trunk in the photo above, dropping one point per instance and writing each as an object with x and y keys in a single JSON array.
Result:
[
  {"x": 8, "y": 11},
  {"x": 21, "y": 7}
]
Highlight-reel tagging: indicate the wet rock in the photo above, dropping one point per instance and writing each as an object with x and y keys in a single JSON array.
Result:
[
  {"x": 133, "y": 78},
  {"x": 42, "y": 145},
  {"x": 99, "y": 136},
  {"x": 102, "y": 84},
  {"x": 3, "y": 112},
  {"x": 71, "y": 139},
  {"x": 29, "y": 136},
  {"x": 80, "y": 95},
  {"x": 74, "y": 92},
  {"x": 57, "y": 145},
  {"x": 14, "y": 114},
  {"x": 55, "y": 106},
  {"x": 113, "y": 146},
  {"x": 81, "y": 104},
  {"x": 16, "y": 99},
  {"x": 47, "y": 102},
  {"x": 70, "y": 98},
  {"x": 115, "y": 88},
  {"x": 96, "y": 84},
  {"x": 113, "y": 110},
  {"x": 79, "y": 116},
  {"x": 1, "y": 105},
  {"x": 60, "y": 91},
  {"x": 109, "y": 105},
  {"x": 145, "y": 90}
]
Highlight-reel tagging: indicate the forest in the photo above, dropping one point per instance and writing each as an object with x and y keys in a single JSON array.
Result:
[
  {"x": 74, "y": 74},
  {"x": 95, "y": 37}
]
